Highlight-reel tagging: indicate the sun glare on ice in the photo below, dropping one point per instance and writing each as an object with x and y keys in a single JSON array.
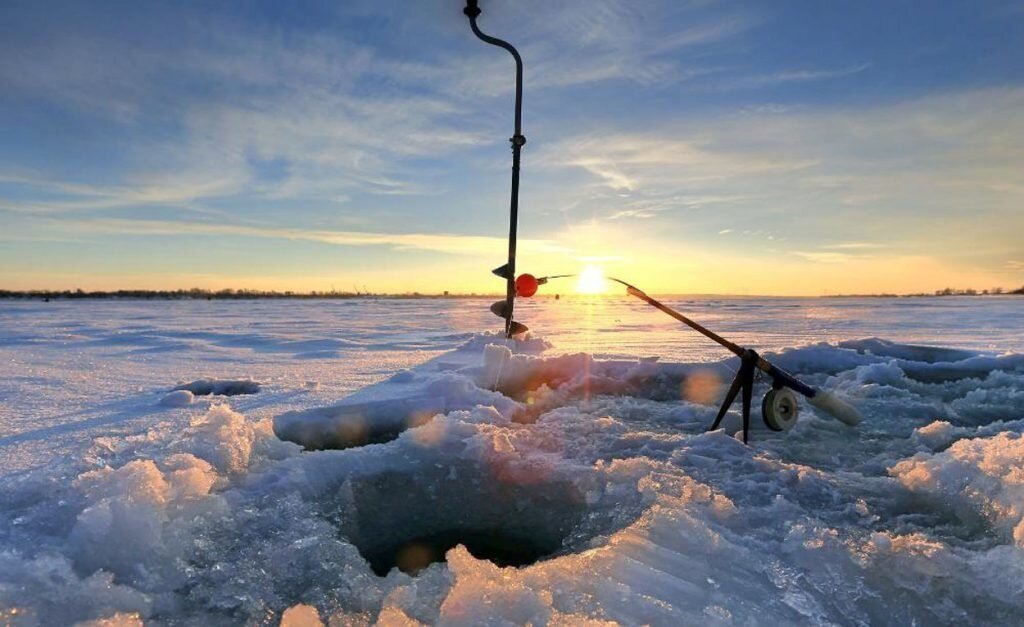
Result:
[{"x": 591, "y": 281}]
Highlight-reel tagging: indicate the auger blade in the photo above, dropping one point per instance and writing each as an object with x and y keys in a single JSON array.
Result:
[
  {"x": 518, "y": 328},
  {"x": 500, "y": 309},
  {"x": 503, "y": 272}
]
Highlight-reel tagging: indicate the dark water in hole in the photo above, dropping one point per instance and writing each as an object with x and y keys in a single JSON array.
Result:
[
  {"x": 220, "y": 388},
  {"x": 495, "y": 545},
  {"x": 342, "y": 440}
]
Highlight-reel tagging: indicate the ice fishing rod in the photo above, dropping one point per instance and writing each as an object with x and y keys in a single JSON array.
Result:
[
  {"x": 518, "y": 140},
  {"x": 779, "y": 408}
]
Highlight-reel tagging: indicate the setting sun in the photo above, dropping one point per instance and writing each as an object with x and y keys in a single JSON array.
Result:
[{"x": 591, "y": 281}]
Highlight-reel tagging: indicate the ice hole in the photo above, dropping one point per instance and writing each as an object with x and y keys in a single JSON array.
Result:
[
  {"x": 207, "y": 387},
  {"x": 495, "y": 545},
  {"x": 410, "y": 520},
  {"x": 355, "y": 425}
]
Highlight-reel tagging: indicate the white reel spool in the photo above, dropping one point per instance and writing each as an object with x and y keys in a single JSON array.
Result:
[{"x": 780, "y": 409}]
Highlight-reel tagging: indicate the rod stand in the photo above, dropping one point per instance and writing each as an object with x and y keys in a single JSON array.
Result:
[{"x": 744, "y": 382}]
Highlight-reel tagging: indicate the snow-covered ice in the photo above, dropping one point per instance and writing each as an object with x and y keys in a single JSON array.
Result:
[{"x": 121, "y": 502}]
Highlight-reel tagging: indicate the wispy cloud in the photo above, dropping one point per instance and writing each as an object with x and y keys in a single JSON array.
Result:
[
  {"x": 633, "y": 213},
  {"x": 347, "y": 118},
  {"x": 301, "y": 100},
  {"x": 823, "y": 257},
  {"x": 448, "y": 243},
  {"x": 646, "y": 205},
  {"x": 631, "y": 161},
  {"x": 179, "y": 191},
  {"x": 841, "y": 252},
  {"x": 790, "y": 76},
  {"x": 612, "y": 40},
  {"x": 855, "y": 246}
]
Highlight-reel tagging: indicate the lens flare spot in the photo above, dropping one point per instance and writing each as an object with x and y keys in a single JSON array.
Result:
[
  {"x": 415, "y": 556},
  {"x": 352, "y": 432},
  {"x": 701, "y": 387}
]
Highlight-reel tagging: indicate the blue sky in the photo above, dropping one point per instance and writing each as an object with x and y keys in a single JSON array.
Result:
[{"x": 740, "y": 147}]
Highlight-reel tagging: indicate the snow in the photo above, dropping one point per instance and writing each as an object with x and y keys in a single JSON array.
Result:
[
  {"x": 301, "y": 616},
  {"x": 977, "y": 477},
  {"x": 118, "y": 506},
  {"x": 178, "y": 398}
]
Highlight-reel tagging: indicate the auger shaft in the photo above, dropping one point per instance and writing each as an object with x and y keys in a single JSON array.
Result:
[{"x": 518, "y": 140}]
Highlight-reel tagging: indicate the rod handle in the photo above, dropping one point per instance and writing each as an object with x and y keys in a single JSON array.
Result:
[{"x": 829, "y": 403}]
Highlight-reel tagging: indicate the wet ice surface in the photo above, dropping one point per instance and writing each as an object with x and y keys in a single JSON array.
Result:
[{"x": 114, "y": 502}]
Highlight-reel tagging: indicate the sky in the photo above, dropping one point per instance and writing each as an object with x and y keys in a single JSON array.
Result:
[{"x": 787, "y": 148}]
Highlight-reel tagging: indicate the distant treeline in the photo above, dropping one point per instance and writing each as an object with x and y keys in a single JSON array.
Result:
[
  {"x": 228, "y": 294},
  {"x": 949, "y": 291},
  {"x": 201, "y": 294}
]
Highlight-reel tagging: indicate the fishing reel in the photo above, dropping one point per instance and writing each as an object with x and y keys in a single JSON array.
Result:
[{"x": 780, "y": 409}]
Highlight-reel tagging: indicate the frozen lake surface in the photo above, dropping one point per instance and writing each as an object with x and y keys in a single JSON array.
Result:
[{"x": 119, "y": 497}]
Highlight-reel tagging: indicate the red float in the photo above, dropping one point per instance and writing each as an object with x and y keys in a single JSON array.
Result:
[{"x": 526, "y": 285}]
